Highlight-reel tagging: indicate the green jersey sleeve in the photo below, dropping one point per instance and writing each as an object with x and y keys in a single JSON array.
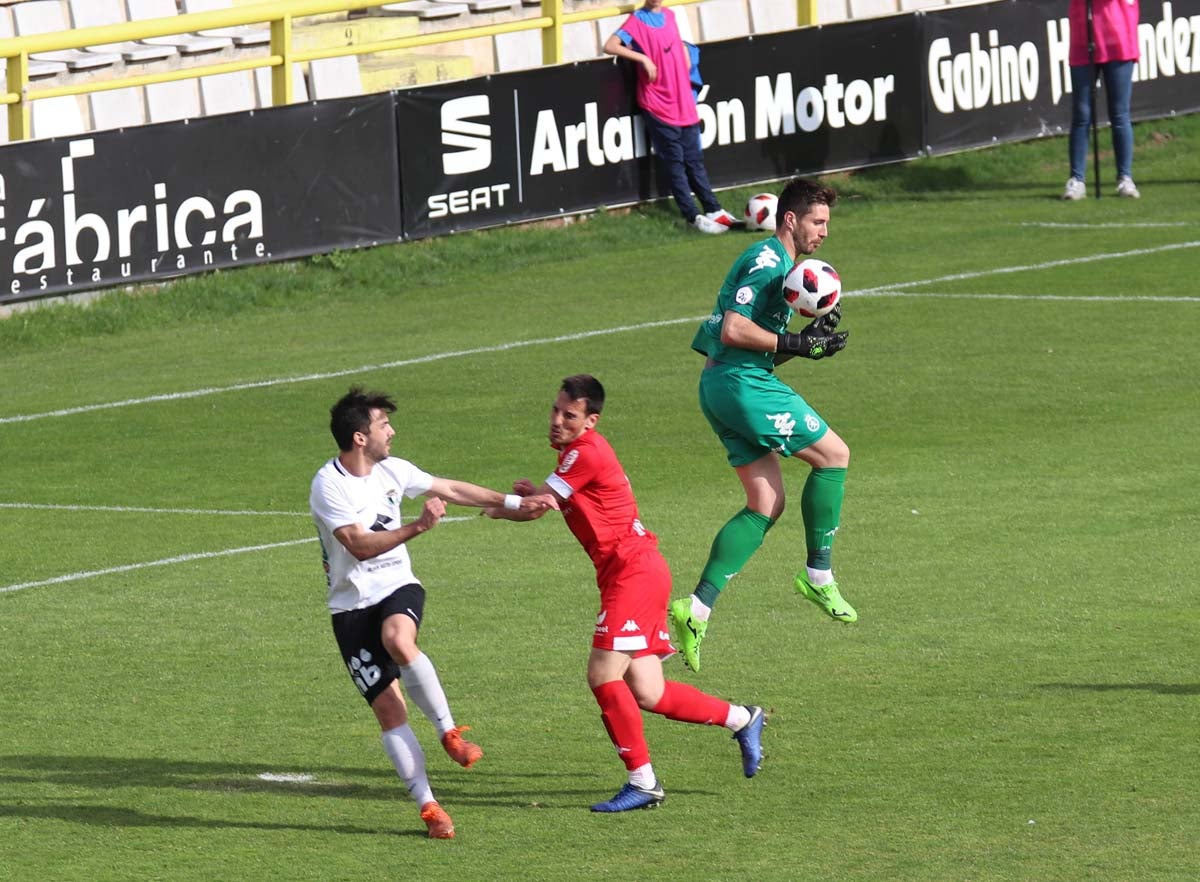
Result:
[{"x": 753, "y": 287}]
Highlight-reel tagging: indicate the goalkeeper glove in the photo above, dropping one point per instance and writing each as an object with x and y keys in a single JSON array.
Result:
[{"x": 817, "y": 339}]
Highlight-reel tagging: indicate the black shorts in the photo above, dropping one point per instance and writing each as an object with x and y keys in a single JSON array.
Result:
[{"x": 359, "y": 636}]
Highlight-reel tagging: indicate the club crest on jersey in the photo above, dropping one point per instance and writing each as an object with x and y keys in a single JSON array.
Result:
[
  {"x": 393, "y": 498},
  {"x": 568, "y": 461}
]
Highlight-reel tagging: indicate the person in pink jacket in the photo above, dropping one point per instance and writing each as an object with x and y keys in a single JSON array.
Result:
[
  {"x": 650, "y": 39},
  {"x": 1115, "y": 23}
]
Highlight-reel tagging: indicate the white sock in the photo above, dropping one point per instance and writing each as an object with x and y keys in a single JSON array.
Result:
[
  {"x": 700, "y": 612},
  {"x": 739, "y": 716},
  {"x": 643, "y": 777},
  {"x": 423, "y": 687},
  {"x": 403, "y": 749},
  {"x": 817, "y": 578}
]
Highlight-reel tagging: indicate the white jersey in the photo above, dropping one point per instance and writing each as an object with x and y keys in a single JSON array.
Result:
[{"x": 339, "y": 498}]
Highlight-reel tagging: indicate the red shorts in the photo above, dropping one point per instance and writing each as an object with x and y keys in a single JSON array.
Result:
[{"x": 633, "y": 606}]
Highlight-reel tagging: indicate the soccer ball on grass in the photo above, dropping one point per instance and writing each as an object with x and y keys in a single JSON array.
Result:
[
  {"x": 812, "y": 288},
  {"x": 760, "y": 212}
]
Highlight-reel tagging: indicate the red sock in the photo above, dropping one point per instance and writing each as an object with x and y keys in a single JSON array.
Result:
[
  {"x": 689, "y": 705},
  {"x": 623, "y": 719}
]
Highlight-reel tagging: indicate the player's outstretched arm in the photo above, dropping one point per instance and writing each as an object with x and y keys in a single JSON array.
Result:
[
  {"x": 466, "y": 493},
  {"x": 525, "y": 489}
]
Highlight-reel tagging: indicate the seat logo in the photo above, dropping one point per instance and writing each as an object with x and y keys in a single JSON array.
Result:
[{"x": 472, "y": 140}]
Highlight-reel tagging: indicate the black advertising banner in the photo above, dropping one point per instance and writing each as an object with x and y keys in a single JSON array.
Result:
[
  {"x": 532, "y": 144},
  {"x": 1000, "y": 72},
  {"x": 812, "y": 100},
  {"x": 157, "y": 201},
  {"x": 551, "y": 141}
]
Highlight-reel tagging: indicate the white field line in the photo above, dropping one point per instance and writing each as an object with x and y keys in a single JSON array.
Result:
[
  {"x": 36, "y": 506},
  {"x": 162, "y": 562},
  {"x": 564, "y": 338},
  {"x": 166, "y": 561},
  {"x": 327, "y": 375},
  {"x": 1106, "y": 226},
  {"x": 1093, "y": 298},
  {"x": 1049, "y": 264}
]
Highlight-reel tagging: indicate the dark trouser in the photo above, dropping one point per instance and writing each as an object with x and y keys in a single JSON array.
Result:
[{"x": 679, "y": 153}]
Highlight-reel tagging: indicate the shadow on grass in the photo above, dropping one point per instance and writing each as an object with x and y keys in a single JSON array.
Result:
[
  {"x": 1160, "y": 688},
  {"x": 114, "y": 816},
  {"x": 567, "y": 790}
]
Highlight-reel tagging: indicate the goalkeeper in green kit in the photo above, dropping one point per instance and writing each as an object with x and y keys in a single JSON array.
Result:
[{"x": 760, "y": 419}]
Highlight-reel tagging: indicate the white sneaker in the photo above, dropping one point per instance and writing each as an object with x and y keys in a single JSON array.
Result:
[
  {"x": 1075, "y": 190},
  {"x": 722, "y": 217},
  {"x": 708, "y": 225},
  {"x": 1127, "y": 188}
]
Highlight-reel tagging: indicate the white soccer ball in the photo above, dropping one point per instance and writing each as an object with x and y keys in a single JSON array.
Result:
[
  {"x": 760, "y": 212},
  {"x": 812, "y": 288}
]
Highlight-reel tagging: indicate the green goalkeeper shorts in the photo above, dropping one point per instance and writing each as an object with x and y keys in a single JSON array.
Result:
[{"x": 754, "y": 413}]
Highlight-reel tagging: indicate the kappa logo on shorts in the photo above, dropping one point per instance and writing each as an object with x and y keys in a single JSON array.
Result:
[
  {"x": 568, "y": 461},
  {"x": 784, "y": 424},
  {"x": 630, "y": 625}
]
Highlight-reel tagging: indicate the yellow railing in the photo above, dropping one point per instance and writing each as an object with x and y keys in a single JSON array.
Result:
[{"x": 282, "y": 55}]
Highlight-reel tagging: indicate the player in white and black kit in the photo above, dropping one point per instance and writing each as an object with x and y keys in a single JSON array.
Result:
[{"x": 376, "y": 602}]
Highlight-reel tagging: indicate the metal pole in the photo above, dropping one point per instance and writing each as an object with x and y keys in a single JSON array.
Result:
[{"x": 1093, "y": 77}]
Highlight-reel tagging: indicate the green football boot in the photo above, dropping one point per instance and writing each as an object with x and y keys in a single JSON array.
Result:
[
  {"x": 687, "y": 631},
  {"x": 827, "y": 597}
]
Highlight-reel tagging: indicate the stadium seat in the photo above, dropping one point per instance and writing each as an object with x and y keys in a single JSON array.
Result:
[
  {"x": 770, "y": 15},
  {"x": 334, "y": 77},
  {"x": 425, "y": 10},
  {"x": 723, "y": 19},
  {"x": 684, "y": 22},
  {"x": 117, "y": 108},
  {"x": 522, "y": 50},
  {"x": 870, "y": 8},
  {"x": 166, "y": 102},
  {"x": 245, "y": 35},
  {"x": 262, "y": 85},
  {"x": 579, "y": 41},
  {"x": 188, "y": 44},
  {"x": 517, "y": 50},
  {"x": 227, "y": 92},
  {"x": 46, "y": 17},
  {"x": 484, "y": 6},
  {"x": 56, "y": 117},
  {"x": 37, "y": 68},
  {"x": 88, "y": 14}
]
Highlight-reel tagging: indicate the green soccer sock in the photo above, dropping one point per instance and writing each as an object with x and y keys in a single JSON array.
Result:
[
  {"x": 734, "y": 544},
  {"x": 821, "y": 507}
]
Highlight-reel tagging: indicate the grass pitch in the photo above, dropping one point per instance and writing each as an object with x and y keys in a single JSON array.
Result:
[{"x": 1019, "y": 700}]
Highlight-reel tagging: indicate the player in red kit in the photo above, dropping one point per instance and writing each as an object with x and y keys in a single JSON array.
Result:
[{"x": 630, "y": 641}]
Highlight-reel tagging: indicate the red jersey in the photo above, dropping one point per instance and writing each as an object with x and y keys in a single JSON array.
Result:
[{"x": 599, "y": 508}]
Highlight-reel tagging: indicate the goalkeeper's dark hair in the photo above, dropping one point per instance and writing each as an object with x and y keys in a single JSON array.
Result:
[
  {"x": 587, "y": 388},
  {"x": 352, "y": 413},
  {"x": 801, "y": 194}
]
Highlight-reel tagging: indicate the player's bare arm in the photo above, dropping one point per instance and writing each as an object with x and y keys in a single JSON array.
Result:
[
  {"x": 365, "y": 544},
  {"x": 526, "y": 490},
  {"x": 465, "y": 493}
]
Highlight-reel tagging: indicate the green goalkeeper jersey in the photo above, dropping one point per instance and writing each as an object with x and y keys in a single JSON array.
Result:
[{"x": 754, "y": 288}]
